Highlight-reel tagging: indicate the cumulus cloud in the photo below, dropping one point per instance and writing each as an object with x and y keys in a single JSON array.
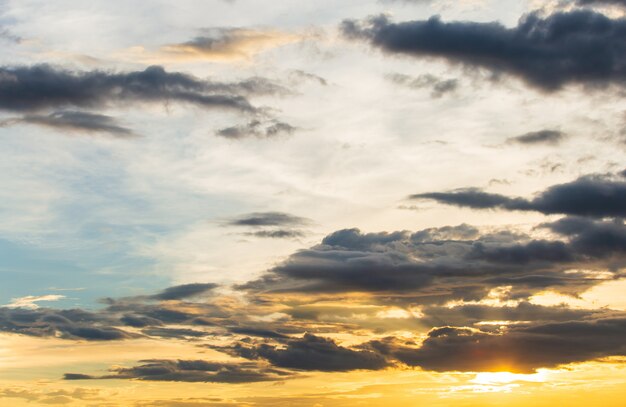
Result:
[
  {"x": 577, "y": 47},
  {"x": 593, "y": 195},
  {"x": 415, "y": 268}
]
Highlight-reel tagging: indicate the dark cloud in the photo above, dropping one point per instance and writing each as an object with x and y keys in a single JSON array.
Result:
[
  {"x": 8, "y": 36},
  {"x": 432, "y": 266},
  {"x": 180, "y": 292},
  {"x": 258, "y": 129},
  {"x": 277, "y": 234},
  {"x": 259, "y": 219},
  {"x": 523, "y": 312},
  {"x": 175, "y": 333},
  {"x": 551, "y": 137},
  {"x": 263, "y": 333},
  {"x": 66, "y": 324},
  {"x": 580, "y": 46},
  {"x": 313, "y": 353},
  {"x": 190, "y": 371},
  {"x": 523, "y": 348},
  {"x": 601, "y": 2},
  {"x": 592, "y": 238},
  {"x": 32, "y": 88},
  {"x": 594, "y": 196},
  {"x": 437, "y": 86},
  {"x": 75, "y": 121}
]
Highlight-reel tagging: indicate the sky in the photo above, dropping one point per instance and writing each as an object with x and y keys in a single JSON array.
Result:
[{"x": 313, "y": 203}]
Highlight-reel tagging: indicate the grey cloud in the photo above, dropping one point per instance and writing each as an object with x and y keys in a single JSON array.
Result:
[
  {"x": 32, "y": 88},
  {"x": 263, "y": 333},
  {"x": 190, "y": 371},
  {"x": 472, "y": 314},
  {"x": 176, "y": 333},
  {"x": 601, "y": 2},
  {"x": 437, "y": 86},
  {"x": 180, "y": 292},
  {"x": 259, "y": 219},
  {"x": 277, "y": 234},
  {"x": 75, "y": 121},
  {"x": 258, "y": 129},
  {"x": 523, "y": 348},
  {"x": 595, "y": 196},
  {"x": 580, "y": 46},
  {"x": 313, "y": 353},
  {"x": 66, "y": 324},
  {"x": 422, "y": 269},
  {"x": 552, "y": 137}
]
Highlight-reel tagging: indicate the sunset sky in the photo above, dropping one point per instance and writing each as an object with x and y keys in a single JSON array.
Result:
[{"x": 313, "y": 203}]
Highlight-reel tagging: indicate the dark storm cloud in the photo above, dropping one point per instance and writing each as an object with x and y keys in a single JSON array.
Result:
[
  {"x": 523, "y": 348},
  {"x": 551, "y": 137},
  {"x": 430, "y": 266},
  {"x": 258, "y": 129},
  {"x": 313, "y": 353},
  {"x": 594, "y": 196},
  {"x": 190, "y": 371},
  {"x": 580, "y": 46},
  {"x": 437, "y": 86},
  {"x": 260, "y": 219},
  {"x": 32, "y": 88},
  {"x": 75, "y": 121}
]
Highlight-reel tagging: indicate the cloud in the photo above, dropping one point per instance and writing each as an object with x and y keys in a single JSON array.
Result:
[
  {"x": 439, "y": 87},
  {"x": 229, "y": 44},
  {"x": 601, "y": 2},
  {"x": 277, "y": 234},
  {"x": 65, "y": 324},
  {"x": 272, "y": 225},
  {"x": 401, "y": 267},
  {"x": 190, "y": 371},
  {"x": 39, "y": 87},
  {"x": 518, "y": 349},
  {"x": 180, "y": 292},
  {"x": 551, "y": 137},
  {"x": 580, "y": 46},
  {"x": 75, "y": 121},
  {"x": 592, "y": 195},
  {"x": 31, "y": 301},
  {"x": 313, "y": 353},
  {"x": 258, "y": 129},
  {"x": 268, "y": 219}
]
